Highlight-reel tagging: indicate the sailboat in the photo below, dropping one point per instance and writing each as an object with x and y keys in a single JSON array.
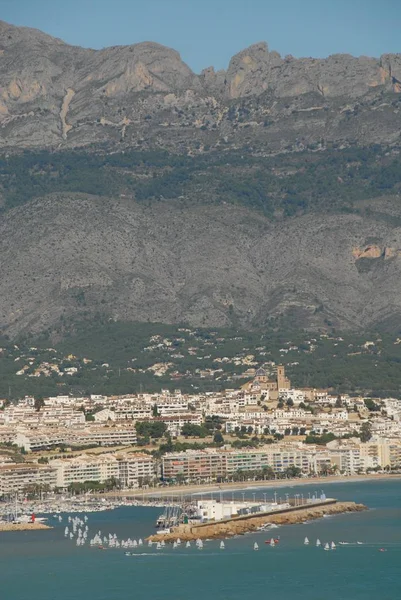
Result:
[
  {"x": 222, "y": 545},
  {"x": 326, "y": 546},
  {"x": 188, "y": 544},
  {"x": 318, "y": 542},
  {"x": 256, "y": 546},
  {"x": 158, "y": 546},
  {"x": 175, "y": 544},
  {"x": 333, "y": 546},
  {"x": 178, "y": 541},
  {"x": 272, "y": 542},
  {"x": 306, "y": 541},
  {"x": 200, "y": 545}
]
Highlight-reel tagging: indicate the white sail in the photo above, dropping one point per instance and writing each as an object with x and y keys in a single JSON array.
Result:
[
  {"x": 188, "y": 544},
  {"x": 318, "y": 542},
  {"x": 222, "y": 546},
  {"x": 333, "y": 546},
  {"x": 306, "y": 541},
  {"x": 326, "y": 546},
  {"x": 256, "y": 546},
  {"x": 272, "y": 542}
]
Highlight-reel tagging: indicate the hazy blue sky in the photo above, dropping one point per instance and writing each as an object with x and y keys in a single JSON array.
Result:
[{"x": 209, "y": 32}]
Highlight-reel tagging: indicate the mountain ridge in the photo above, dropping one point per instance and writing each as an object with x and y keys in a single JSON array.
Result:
[{"x": 56, "y": 95}]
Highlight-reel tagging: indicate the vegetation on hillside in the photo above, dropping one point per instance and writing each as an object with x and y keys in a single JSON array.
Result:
[
  {"x": 106, "y": 357},
  {"x": 285, "y": 184}
]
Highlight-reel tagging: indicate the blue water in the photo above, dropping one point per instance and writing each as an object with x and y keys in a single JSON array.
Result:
[{"x": 46, "y": 566}]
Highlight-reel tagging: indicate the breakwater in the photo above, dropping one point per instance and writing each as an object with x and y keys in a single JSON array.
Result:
[
  {"x": 23, "y": 526},
  {"x": 248, "y": 523}
]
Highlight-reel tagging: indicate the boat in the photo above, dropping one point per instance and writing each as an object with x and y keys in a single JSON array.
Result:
[
  {"x": 382, "y": 550},
  {"x": 175, "y": 544},
  {"x": 318, "y": 542},
  {"x": 256, "y": 546},
  {"x": 222, "y": 545},
  {"x": 326, "y": 546},
  {"x": 127, "y": 553},
  {"x": 333, "y": 546},
  {"x": 158, "y": 546},
  {"x": 200, "y": 545},
  {"x": 272, "y": 542},
  {"x": 188, "y": 544},
  {"x": 178, "y": 541},
  {"x": 343, "y": 543},
  {"x": 359, "y": 543},
  {"x": 306, "y": 541}
]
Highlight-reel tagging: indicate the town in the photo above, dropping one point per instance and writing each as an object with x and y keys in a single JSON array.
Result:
[{"x": 265, "y": 429}]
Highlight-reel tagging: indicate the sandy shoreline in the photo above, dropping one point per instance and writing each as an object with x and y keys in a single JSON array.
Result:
[{"x": 184, "y": 490}]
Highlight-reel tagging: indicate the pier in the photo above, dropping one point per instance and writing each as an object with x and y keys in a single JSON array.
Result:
[{"x": 242, "y": 524}]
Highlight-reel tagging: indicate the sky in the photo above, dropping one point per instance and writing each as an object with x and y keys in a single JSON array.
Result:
[{"x": 210, "y": 32}]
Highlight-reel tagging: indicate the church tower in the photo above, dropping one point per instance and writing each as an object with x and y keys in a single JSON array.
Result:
[{"x": 283, "y": 383}]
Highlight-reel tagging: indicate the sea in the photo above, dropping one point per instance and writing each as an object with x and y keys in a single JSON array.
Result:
[{"x": 44, "y": 565}]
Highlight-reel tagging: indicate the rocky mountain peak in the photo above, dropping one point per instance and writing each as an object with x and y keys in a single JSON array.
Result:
[{"x": 53, "y": 93}]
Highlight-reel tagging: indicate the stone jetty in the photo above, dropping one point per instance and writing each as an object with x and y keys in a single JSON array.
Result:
[
  {"x": 4, "y": 526},
  {"x": 248, "y": 523}
]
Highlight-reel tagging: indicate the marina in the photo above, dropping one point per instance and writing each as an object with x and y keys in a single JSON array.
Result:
[{"x": 107, "y": 570}]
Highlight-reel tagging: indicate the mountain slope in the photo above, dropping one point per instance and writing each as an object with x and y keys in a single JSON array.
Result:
[{"x": 207, "y": 265}]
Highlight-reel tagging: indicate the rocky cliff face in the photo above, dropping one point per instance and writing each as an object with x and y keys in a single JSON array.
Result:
[{"x": 58, "y": 95}]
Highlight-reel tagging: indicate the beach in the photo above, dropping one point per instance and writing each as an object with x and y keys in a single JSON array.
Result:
[{"x": 185, "y": 490}]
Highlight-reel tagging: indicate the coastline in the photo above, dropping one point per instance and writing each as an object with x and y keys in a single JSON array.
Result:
[{"x": 184, "y": 490}]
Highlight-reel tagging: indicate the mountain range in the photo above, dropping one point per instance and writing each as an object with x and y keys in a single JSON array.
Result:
[{"x": 133, "y": 187}]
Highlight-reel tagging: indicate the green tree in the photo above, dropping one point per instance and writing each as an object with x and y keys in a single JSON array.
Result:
[
  {"x": 151, "y": 429},
  {"x": 39, "y": 403},
  {"x": 218, "y": 438},
  {"x": 366, "y": 432}
]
